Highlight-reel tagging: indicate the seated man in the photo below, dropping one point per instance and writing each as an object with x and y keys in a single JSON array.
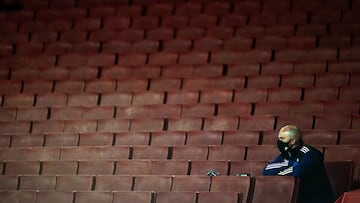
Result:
[{"x": 302, "y": 161}]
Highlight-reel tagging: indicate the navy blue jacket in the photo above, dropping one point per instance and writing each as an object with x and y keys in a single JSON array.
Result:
[{"x": 307, "y": 163}]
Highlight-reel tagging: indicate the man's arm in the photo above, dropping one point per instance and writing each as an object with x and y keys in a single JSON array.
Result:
[
  {"x": 274, "y": 167},
  {"x": 297, "y": 169}
]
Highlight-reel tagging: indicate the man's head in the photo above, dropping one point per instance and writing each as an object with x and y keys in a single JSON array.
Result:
[{"x": 289, "y": 137}]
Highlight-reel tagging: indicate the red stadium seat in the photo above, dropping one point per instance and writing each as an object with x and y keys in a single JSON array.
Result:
[
  {"x": 261, "y": 122},
  {"x": 231, "y": 184},
  {"x": 26, "y": 140},
  {"x": 150, "y": 152},
  {"x": 203, "y": 138},
  {"x": 241, "y": 137},
  {"x": 54, "y": 196},
  {"x": 152, "y": 183},
  {"x": 349, "y": 137},
  {"x": 168, "y": 138},
  {"x": 74, "y": 182},
  {"x": 133, "y": 167},
  {"x": 188, "y": 152},
  {"x": 22, "y": 167},
  {"x": 9, "y": 182},
  {"x": 221, "y": 123},
  {"x": 344, "y": 152},
  {"x": 59, "y": 167},
  {"x": 185, "y": 124},
  {"x": 133, "y": 196},
  {"x": 262, "y": 152},
  {"x": 231, "y": 197},
  {"x": 176, "y": 197},
  {"x": 36, "y": 182},
  {"x": 265, "y": 191},
  {"x": 226, "y": 152},
  {"x": 251, "y": 167},
  {"x": 132, "y": 138},
  {"x": 94, "y": 196},
  {"x": 340, "y": 174},
  {"x": 96, "y": 167},
  {"x": 78, "y": 153},
  {"x": 320, "y": 137},
  {"x": 170, "y": 167},
  {"x": 95, "y": 139},
  {"x": 193, "y": 110},
  {"x": 201, "y": 167},
  {"x": 113, "y": 182},
  {"x": 191, "y": 183},
  {"x": 61, "y": 139}
]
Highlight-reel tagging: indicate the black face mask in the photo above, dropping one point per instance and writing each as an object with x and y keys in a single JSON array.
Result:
[{"x": 283, "y": 146}]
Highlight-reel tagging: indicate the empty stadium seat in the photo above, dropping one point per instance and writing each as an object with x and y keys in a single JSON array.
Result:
[
  {"x": 152, "y": 183},
  {"x": 201, "y": 167},
  {"x": 95, "y": 167},
  {"x": 230, "y": 197},
  {"x": 169, "y": 167},
  {"x": 176, "y": 197},
  {"x": 226, "y": 152},
  {"x": 35, "y": 182},
  {"x": 133, "y": 196},
  {"x": 345, "y": 170},
  {"x": 320, "y": 137},
  {"x": 9, "y": 182},
  {"x": 247, "y": 167},
  {"x": 265, "y": 191},
  {"x": 94, "y": 196},
  {"x": 74, "y": 182},
  {"x": 203, "y": 138},
  {"x": 343, "y": 152},
  {"x": 22, "y": 167},
  {"x": 231, "y": 184},
  {"x": 59, "y": 167},
  {"x": 150, "y": 152},
  {"x": 262, "y": 152},
  {"x": 114, "y": 182},
  {"x": 189, "y": 152},
  {"x": 54, "y": 196},
  {"x": 76, "y": 153},
  {"x": 241, "y": 137},
  {"x": 349, "y": 137},
  {"x": 191, "y": 183}
]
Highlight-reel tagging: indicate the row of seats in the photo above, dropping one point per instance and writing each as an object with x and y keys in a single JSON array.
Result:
[
  {"x": 188, "y": 38},
  {"x": 209, "y": 123},
  {"x": 175, "y": 152},
  {"x": 340, "y": 174},
  {"x": 128, "y": 167},
  {"x": 230, "y": 20},
  {"x": 308, "y": 96},
  {"x": 313, "y": 137},
  {"x": 174, "y": 26},
  {"x": 119, "y": 45},
  {"x": 183, "y": 8},
  {"x": 248, "y": 6},
  {"x": 166, "y": 58},
  {"x": 141, "y": 167},
  {"x": 178, "y": 110},
  {"x": 175, "y": 189},
  {"x": 44, "y": 196},
  {"x": 324, "y": 80},
  {"x": 284, "y": 70}
]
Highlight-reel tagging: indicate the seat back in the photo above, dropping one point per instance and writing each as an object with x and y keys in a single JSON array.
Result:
[
  {"x": 279, "y": 189},
  {"x": 340, "y": 175}
]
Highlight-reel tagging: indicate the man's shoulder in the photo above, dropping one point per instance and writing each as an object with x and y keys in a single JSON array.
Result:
[{"x": 306, "y": 149}]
